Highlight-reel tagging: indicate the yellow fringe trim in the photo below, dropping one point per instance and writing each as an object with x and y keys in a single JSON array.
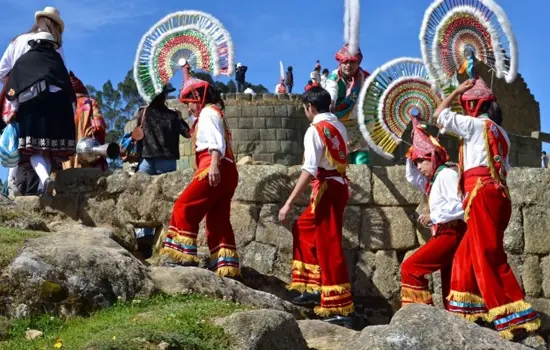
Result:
[
  {"x": 530, "y": 326},
  {"x": 225, "y": 252},
  {"x": 340, "y": 167},
  {"x": 471, "y": 197},
  {"x": 474, "y": 317},
  {"x": 201, "y": 174},
  {"x": 318, "y": 196},
  {"x": 416, "y": 296},
  {"x": 327, "y": 312},
  {"x": 510, "y": 308},
  {"x": 178, "y": 256},
  {"x": 184, "y": 239},
  {"x": 339, "y": 288},
  {"x": 228, "y": 271},
  {"x": 465, "y": 297},
  {"x": 302, "y": 266},
  {"x": 303, "y": 287}
]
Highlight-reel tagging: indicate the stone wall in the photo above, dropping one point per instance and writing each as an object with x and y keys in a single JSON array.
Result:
[
  {"x": 270, "y": 128},
  {"x": 379, "y": 229}
]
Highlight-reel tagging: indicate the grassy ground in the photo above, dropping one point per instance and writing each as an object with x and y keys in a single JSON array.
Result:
[
  {"x": 11, "y": 241},
  {"x": 180, "y": 321}
]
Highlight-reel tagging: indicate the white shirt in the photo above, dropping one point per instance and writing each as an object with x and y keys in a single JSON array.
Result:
[
  {"x": 324, "y": 81},
  {"x": 471, "y": 130},
  {"x": 249, "y": 91},
  {"x": 314, "y": 150},
  {"x": 277, "y": 88},
  {"x": 16, "y": 49},
  {"x": 210, "y": 132},
  {"x": 444, "y": 201}
]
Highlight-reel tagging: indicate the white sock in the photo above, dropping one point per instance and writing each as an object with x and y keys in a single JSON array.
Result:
[{"x": 42, "y": 166}]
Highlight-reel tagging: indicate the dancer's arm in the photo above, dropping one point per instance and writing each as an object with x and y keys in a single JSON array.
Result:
[
  {"x": 445, "y": 202},
  {"x": 414, "y": 177},
  {"x": 456, "y": 123}
]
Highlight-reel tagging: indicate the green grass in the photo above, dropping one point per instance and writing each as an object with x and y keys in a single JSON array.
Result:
[
  {"x": 181, "y": 321},
  {"x": 11, "y": 241}
]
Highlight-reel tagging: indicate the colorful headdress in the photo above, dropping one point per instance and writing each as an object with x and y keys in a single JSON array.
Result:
[
  {"x": 350, "y": 51},
  {"x": 395, "y": 93},
  {"x": 425, "y": 146},
  {"x": 195, "y": 36},
  {"x": 456, "y": 33},
  {"x": 191, "y": 86},
  {"x": 77, "y": 84},
  {"x": 481, "y": 93},
  {"x": 282, "y": 71}
]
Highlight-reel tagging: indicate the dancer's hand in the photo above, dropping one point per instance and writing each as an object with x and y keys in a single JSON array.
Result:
[
  {"x": 425, "y": 220},
  {"x": 284, "y": 212},
  {"x": 214, "y": 176},
  {"x": 465, "y": 86}
]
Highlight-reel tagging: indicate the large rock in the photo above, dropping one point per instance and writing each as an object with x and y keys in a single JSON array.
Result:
[
  {"x": 419, "y": 327},
  {"x": 263, "y": 330},
  {"x": 321, "y": 335},
  {"x": 73, "y": 272},
  {"x": 173, "y": 281}
]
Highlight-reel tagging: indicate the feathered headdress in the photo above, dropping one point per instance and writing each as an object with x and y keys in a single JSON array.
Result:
[
  {"x": 197, "y": 37},
  {"x": 282, "y": 70},
  {"x": 394, "y": 94},
  {"x": 350, "y": 51},
  {"x": 425, "y": 146}
]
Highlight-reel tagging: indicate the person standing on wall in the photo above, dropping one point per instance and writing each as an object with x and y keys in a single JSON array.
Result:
[
  {"x": 240, "y": 77},
  {"x": 544, "y": 160},
  {"x": 319, "y": 269},
  {"x": 289, "y": 79}
]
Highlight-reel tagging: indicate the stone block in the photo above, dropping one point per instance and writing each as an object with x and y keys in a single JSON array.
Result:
[
  {"x": 243, "y": 97},
  {"x": 273, "y": 232},
  {"x": 245, "y": 123},
  {"x": 286, "y": 123},
  {"x": 545, "y": 267},
  {"x": 389, "y": 187},
  {"x": 259, "y": 256},
  {"x": 77, "y": 180},
  {"x": 516, "y": 263},
  {"x": 513, "y": 236},
  {"x": 388, "y": 228},
  {"x": 532, "y": 276},
  {"x": 377, "y": 275},
  {"x": 536, "y": 227},
  {"x": 253, "y": 135},
  {"x": 258, "y": 123},
  {"x": 360, "y": 177},
  {"x": 266, "y": 112},
  {"x": 280, "y": 111},
  {"x": 273, "y": 123},
  {"x": 286, "y": 146},
  {"x": 352, "y": 227},
  {"x": 262, "y": 183},
  {"x": 233, "y": 111},
  {"x": 269, "y": 97},
  {"x": 249, "y": 112},
  {"x": 529, "y": 186},
  {"x": 283, "y": 97},
  {"x": 294, "y": 173},
  {"x": 268, "y": 135},
  {"x": 265, "y": 157},
  {"x": 272, "y": 146},
  {"x": 239, "y": 134}
]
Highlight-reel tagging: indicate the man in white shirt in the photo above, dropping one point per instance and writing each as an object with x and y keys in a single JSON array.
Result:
[
  {"x": 319, "y": 269},
  {"x": 428, "y": 171}
]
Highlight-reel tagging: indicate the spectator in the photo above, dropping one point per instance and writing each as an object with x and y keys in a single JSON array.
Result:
[
  {"x": 249, "y": 90},
  {"x": 240, "y": 76},
  {"x": 308, "y": 86},
  {"x": 281, "y": 88},
  {"x": 324, "y": 77},
  {"x": 289, "y": 79},
  {"x": 544, "y": 160},
  {"x": 315, "y": 76}
]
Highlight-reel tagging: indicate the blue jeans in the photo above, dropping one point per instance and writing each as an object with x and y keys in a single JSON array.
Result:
[{"x": 154, "y": 166}]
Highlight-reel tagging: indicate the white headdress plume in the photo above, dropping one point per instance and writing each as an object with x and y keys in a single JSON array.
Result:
[
  {"x": 351, "y": 25},
  {"x": 282, "y": 70}
]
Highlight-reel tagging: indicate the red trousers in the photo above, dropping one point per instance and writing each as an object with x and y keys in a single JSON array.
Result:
[
  {"x": 483, "y": 285},
  {"x": 436, "y": 254},
  {"x": 319, "y": 262},
  {"x": 198, "y": 200}
]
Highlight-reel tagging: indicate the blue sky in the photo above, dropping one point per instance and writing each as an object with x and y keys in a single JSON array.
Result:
[{"x": 101, "y": 36}]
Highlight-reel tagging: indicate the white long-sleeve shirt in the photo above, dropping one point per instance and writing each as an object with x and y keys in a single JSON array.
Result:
[
  {"x": 444, "y": 200},
  {"x": 314, "y": 149},
  {"x": 16, "y": 49},
  {"x": 210, "y": 132},
  {"x": 471, "y": 130}
]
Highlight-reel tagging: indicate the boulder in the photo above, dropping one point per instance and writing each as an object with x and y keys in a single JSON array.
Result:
[
  {"x": 321, "y": 335},
  {"x": 263, "y": 330},
  {"x": 182, "y": 280},
  {"x": 419, "y": 327},
  {"x": 72, "y": 272}
]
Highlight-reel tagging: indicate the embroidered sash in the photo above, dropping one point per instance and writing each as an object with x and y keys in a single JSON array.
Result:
[
  {"x": 347, "y": 97},
  {"x": 335, "y": 146}
]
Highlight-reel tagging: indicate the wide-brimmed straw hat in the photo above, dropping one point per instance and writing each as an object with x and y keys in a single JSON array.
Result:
[
  {"x": 44, "y": 36},
  {"x": 53, "y": 14}
]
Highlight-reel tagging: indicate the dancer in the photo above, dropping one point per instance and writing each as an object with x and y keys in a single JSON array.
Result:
[
  {"x": 319, "y": 270},
  {"x": 483, "y": 284},
  {"x": 428, "y": 170},
  {"x": 344, "y": 85}
]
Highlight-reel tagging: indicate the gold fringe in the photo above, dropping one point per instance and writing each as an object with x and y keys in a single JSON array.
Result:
[
  {"x": 228, "y": 271},
  {"x": 302, "y": 266},
  {"x": 416, "y": 296},
  {"x": 183, "y": 239},
  {"x": 225, "y": 252},
  {"x": 472, "y": 195},
  {"x": 201, "y": 174},
  {"x": 327, "y": 312},
  {"x": 340, "y": 167},
  {"x": 465, "y": 297},
  {"x": 516, "y": 306},
  {"x": 339, "y": 288},
  {"x": 474, "y": 317},
  {"x": 178, "y": 256},
  {"x": 303, "y": 287},
  {"x": 318, "y": 196},
  {"x": 530, "y": 326}
]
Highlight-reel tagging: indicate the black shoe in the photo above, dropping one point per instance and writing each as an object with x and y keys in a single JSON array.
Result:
[
  {"x": 172, "y": 263},
  {"x": 344, "y": 321},
  {"x": 307, "y": 299},
  {"x": 49, "y": 186}
]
